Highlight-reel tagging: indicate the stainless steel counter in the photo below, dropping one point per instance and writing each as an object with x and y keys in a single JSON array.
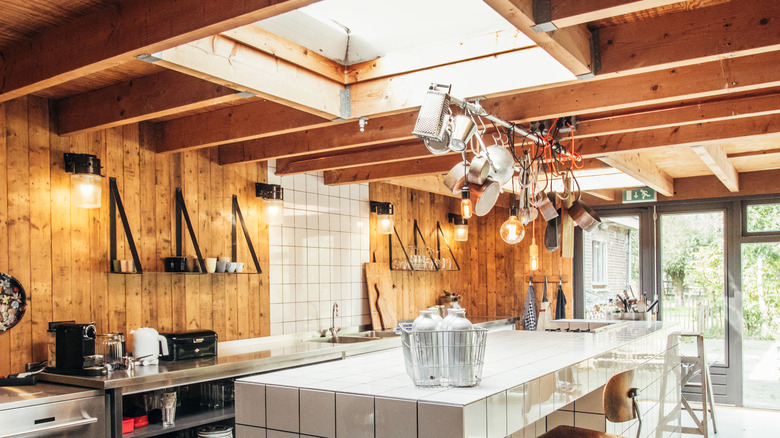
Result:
[{"x": 12, "y": 397}]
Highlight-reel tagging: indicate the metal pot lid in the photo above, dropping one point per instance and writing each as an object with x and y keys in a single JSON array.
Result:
[
  {"x": 502, "y": 164},
  {"x": 488, "y": 196},
  {"x": 438, "y": 147}
]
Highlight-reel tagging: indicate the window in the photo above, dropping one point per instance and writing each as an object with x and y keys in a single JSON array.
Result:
[
  {"x": 762, "y": 218},
  {"x": 599, "y": 272}
]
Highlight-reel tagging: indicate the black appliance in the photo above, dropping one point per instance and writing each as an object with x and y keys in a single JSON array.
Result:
[
  {"x": 75, "y": 350},
  {"x": 193, "y": 344}
]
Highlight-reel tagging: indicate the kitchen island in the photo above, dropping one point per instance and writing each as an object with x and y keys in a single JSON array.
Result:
[{"x": 531, "y": 381}]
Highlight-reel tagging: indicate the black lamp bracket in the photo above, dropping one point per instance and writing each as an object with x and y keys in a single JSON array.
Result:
[
  {"x": 269, "y": 191},
  {"x": 381, "y": 207},
  {"x": 456, "y": 219},
  {"x": 82, "y": 164}
]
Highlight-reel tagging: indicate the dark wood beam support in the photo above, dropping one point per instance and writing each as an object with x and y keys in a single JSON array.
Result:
[
  {"x": 118, "y": 33},
  {"x": 137, "y": 100}
]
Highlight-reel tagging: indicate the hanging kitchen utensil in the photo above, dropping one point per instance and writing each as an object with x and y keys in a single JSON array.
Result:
[
  {"x": 456, "y": 177},
  {"x": 13, "y": 302},
  {"x": 439, "y": 146},
  {"x": 463, "y": 128},
  {"x": 484, "y": 197},
  {"x": 584, "y": 216},
  {"x": 434, "y": 113},
  {"x": 552, "y": 235},
  {"x": 526, "y": 214},
  {"x": 529, "y": 309},
  {"x": 546, "y": 205},
  {"x": 502, "y": 164},
  {"x": 479, "y": 169}
]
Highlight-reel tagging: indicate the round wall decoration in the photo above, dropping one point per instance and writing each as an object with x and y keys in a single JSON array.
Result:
[{"x": 13, "y": 302}]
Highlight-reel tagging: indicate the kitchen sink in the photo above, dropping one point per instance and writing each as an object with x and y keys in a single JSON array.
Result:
[
  {"x": 376, "y": 334},
  {"x": 343, "y": 339}
]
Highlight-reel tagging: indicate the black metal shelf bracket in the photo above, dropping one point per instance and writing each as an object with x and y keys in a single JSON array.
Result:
[
  {"x": 234, "y": 235},
  {"x": 417, "y": 232},
  {"x": 390, "y": 250},
  {"x": 115, "y": 204},
  {"x": 181, "y": 211},
  {"x": 439, "y": 237}
]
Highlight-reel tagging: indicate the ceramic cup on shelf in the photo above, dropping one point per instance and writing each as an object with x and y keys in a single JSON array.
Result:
[
  {"x": 224, "y": 259},
  {"x": 116, "y": 265},
  {"x": 211, "y": 265},
  {"x": 221, "y": 266},
  {"x": 239, "y": 267},
  {"x": 231, "y": 267}
]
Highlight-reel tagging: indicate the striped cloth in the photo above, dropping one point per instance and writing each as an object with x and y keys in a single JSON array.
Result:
[{"x": 529, "y": 310}]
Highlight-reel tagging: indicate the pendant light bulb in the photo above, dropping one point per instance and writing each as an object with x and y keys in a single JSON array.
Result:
[
  {"x": 534, "y": 255},
  {"x": 512, "y": 231},
  {"x": 465, "y": 203}
]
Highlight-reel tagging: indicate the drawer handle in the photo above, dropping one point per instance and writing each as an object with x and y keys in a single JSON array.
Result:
[{"x": 54, "y": 426}]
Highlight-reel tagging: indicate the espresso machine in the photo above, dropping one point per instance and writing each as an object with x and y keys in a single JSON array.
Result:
[{"x": 74, "y": 350}]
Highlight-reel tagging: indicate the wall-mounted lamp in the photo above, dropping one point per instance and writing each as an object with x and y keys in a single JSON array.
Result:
[
  {"x": 273, "y": 202},
  {"x": 85, "y": 179},
  {"x": 460, "y": 227},
  {"x": 384, "y": 216}
]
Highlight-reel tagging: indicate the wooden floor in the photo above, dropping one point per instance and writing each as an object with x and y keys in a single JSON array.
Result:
[{"x": 740, "y": 422}]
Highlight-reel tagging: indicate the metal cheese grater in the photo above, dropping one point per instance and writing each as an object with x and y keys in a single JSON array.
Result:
[{"x": 434, "y": 113}]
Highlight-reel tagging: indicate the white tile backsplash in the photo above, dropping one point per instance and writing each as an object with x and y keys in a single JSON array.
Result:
[{"x": 318, "y": 253}]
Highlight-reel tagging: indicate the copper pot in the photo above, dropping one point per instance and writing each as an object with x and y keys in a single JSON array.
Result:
[
  {"x": 584, "y": 216},
  {"x": 484, "y": 196},
  {"x": 546, "y": 205},
  {"x": 478, "y": 170},
  {"x": 456, "y": 177}
]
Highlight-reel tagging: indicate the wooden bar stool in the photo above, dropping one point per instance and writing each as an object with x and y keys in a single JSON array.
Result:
[
  {"x": 620, "y": 405},
  {"x": 694, "y": 366}
]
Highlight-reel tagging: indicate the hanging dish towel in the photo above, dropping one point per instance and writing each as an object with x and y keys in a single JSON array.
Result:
[
  {"x": 545, "y": 315},
  {"x": 560, "y": 306},
  {"x": 529, "y": 310}
]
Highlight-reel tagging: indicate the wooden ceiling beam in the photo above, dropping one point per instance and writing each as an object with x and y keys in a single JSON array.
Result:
[
  {"x": 136, "y": 100},
  {"x": 691, "y": 37},
  {"x": 272, "y": 44},
  {"x": 715, "y": 158},
  {"x": 231, "y": 64},
  {"x": 238, "y": 123},
  {"x": 570, "y": 46},
  {"x": 118, "y": 33},
  {"x": 360, "y": 157},
  {"x": 678, "y": 136},
  {"x": 683, "y": 114},
  {"x": 605, "y": 194},
  {"x": 330, "y": 138},
  {"x": 643, "y": 171},
  {"x": 555, "y": 14},
  {"x": 423, "y": 166}
]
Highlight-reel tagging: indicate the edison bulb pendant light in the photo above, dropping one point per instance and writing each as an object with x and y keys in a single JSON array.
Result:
[
  {"x": 512, "y": 231},
  {"x": 465, "y": 204},
  {"x": 534, "y": 254}
]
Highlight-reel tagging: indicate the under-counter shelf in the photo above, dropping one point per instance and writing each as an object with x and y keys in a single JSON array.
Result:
[{"x": 186, "y": 421}]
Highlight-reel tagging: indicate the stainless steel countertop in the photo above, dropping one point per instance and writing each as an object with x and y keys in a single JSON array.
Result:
[
  {"x": 12, "y": 397},
  {"x": 237, "y": 358}
]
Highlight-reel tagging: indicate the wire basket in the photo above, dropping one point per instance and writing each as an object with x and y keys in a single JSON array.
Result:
[{"x": 444, "y": 357}]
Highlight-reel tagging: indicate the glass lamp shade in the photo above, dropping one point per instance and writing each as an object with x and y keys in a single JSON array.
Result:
[
  {"x": 512, "y": 231},
  {"x": 534, "y": 255},
  {"x": 274, "y": 211},
  {"x": 461, "y": 232},
  {"x": 384, "y": 223},
  {"x": 85, "y": 190},
  {"x": 465, "y": 208}
]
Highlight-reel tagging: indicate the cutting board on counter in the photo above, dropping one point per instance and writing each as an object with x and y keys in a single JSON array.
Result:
[
  {"x": 372, "y": 278},
  {"x": 382, "y": 292}
]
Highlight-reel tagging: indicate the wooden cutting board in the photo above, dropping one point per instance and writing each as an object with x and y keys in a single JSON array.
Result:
[
  {"x": 372, "y": 278},
  {"x": 386, "y": 303}
]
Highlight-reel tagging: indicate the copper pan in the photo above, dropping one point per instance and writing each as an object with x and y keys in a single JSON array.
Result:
[
  {"x": 456, "y": 177},
  {"x": 584, "y": 216},
  {"x": 484, "y": 196},
  {"x": 546, "y": 206}
]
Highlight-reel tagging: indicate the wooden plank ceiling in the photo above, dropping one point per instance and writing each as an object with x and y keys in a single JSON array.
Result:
[{"x": 667, "y": 90}]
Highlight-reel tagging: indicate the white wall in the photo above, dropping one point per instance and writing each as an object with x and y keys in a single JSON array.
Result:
[{"x": 317, "y": 255}]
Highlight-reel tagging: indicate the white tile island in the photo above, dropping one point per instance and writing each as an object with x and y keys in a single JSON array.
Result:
[{"x": 531, "y": 381}]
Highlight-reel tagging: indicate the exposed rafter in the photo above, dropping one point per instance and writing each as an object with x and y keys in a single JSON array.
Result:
[
  {"x": 633, "y": 165},
  {"x": 118, "y": 33},
  {"x": 715, "y": 158},
  {"x": 232, "y": 64},
  {"x": 137, "y": 100},
  {"x": 555, "y": 14}
]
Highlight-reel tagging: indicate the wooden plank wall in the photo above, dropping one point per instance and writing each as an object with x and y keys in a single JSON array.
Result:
[
  {"x": 60, "y": 254},
  {"x": 493, "y": 275}
]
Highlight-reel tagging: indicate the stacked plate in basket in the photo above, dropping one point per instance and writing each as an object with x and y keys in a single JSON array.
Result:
[{"x": 216, "y": 431}]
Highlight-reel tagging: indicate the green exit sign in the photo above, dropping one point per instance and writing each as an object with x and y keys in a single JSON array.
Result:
[{"x": 644, "y": 194}]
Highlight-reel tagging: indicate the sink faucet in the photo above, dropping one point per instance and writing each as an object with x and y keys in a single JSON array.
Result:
[{"x": 334, "y": 331}]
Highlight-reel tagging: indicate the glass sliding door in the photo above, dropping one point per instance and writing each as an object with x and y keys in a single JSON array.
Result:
[
  {"x": 692, "y": 271},
  {"x": 761, "y": 307}
]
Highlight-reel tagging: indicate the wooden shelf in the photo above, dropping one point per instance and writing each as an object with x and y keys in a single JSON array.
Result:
[
  {"x": 186, "y": 273},
  {"x": 186, "y": 421}
]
